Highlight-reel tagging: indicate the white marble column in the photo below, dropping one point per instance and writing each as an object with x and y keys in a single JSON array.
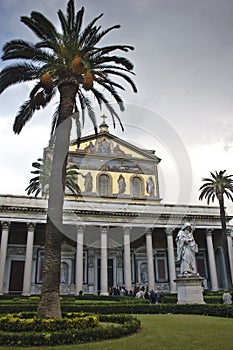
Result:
[
  {"x": 28, "y": 260},
  {"x": 211, "y": 259},
  {"x": 3, "y": 251},
  {"x": 79, "y": 260},
  {"x": 104, "y": 261},
  {"x": 171, "y": 259},
  {"x": 230, "y": 253},
  {"x": 150, "y": 261},
  {"x": 127, "y": 259}
]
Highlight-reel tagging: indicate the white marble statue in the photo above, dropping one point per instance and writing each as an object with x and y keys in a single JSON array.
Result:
[{"x": 186, "y": 250}]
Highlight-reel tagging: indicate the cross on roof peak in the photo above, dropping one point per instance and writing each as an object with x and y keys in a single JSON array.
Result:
[
  {"x": 103, "y": 126},
  {"x": 104, "y": 117}
]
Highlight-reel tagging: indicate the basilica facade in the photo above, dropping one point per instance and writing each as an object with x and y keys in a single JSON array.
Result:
[{"x": 117, "y": 232}]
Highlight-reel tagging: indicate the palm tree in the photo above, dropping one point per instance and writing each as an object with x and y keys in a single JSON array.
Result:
[
  {"x": 40, "y": 183},
  {"x": 72, "y": 63},
  {"x": 218, "y": 185}
]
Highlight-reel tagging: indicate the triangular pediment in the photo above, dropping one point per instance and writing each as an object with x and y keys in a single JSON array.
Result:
[{"x": 108, "y": 145}]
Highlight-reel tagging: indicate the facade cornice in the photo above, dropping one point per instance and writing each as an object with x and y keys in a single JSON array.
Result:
[
  {"x": 21, "y": 209},
  {"x": 28, "y": 209},
  {"x": 97, "y": 212}
]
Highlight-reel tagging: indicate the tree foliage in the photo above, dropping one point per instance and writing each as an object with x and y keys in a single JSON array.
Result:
[
  {"x": 72, "y": 55},
  {"x": 40, "y": 183},
  {"x": 218, "y": 185}
]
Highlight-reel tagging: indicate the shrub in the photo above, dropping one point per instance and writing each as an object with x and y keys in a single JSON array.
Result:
[
  {"x": 70, "y": 335},
  {"x": 22, "y": 322}
]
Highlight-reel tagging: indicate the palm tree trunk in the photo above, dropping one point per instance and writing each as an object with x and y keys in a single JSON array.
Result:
[
  {"x": 224, "y": 237},
  {"x": 222, "y": 216},
  {"x": 49, "y": 305}
]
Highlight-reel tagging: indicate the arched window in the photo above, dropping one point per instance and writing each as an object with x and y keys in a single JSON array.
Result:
[
  {"x": 136, "y": 187},
  {"x": 104, "y": 185}
]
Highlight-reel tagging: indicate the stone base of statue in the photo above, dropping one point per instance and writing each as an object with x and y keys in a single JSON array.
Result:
[{"x": 189, "y": 289}]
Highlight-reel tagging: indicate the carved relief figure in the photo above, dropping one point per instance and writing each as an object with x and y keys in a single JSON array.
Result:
[
  {"x": 121, "y": 184},
  {"x": 143, "y": 273},
  {"x": 103, "y": 145},
  {"x": 150, "y": 186},
  {"x": 118, "y": 151},
  {"x": 64, "y": 273},
  {"x": 90, "y": 148},
  {"x": 88, "y": 182},
  {"x": 186, "y": 249}
]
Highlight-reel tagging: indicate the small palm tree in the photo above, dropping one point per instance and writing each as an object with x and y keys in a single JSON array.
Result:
[
  {"x": 217, "y": 186},
  {"x": 40, "y": 183}
]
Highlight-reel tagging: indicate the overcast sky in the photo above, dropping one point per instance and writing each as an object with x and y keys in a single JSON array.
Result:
[{"x": 184, "y": 106}]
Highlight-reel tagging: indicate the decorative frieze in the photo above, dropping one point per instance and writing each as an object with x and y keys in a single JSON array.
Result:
[{"x": 16, "y": 251}]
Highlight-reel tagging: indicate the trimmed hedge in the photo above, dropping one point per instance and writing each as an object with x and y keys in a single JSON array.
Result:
[
  {"x": 6, "y": 298},
  {"x": 209, "y": 298},
  {"x": 126, "y": 325},
  {"x": 201, "y": 309}
]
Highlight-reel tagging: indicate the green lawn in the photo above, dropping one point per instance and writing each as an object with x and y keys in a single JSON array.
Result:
[{"x": 166, "y": 332}]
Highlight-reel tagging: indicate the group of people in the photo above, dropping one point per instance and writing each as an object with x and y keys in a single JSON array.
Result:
[{"x": 154, "y": 297}]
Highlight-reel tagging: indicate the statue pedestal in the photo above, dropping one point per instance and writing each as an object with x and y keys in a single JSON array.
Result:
[{"x": 189, "y": 289}]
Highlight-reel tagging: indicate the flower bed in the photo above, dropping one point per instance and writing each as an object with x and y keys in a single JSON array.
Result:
[
  {"x": 29, "y": 322},
  {"x": 25, "y": 329}
]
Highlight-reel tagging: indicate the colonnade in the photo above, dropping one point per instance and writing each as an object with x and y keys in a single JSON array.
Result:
[{"x": 127, "y": 232}]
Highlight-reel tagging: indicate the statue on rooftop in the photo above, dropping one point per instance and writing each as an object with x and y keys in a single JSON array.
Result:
[{"x": 88, "y": 182}]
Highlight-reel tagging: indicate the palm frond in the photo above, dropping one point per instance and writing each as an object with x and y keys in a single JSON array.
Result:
[
  {"x": 86, "y": 104},
  {"x": 124, "y": 76},
  {"x": 46, "y": 26},
  {"x": 86, "y": 31},
  {"x": 76, "y": 117},
  {"x": 24, "y": 114},
  {"x": 30, "y": 24},
  {"x": 40, "y": 25},
  {"x": 99, "y": 36},
  {"x": 63, "y": 22},
  {"x": 101, "y": 98},
  {"x": 29, "y": 53},
  {"x": 17, "y": 73},
  {"x": 116, "y": 59},
  {"x": 70, "y": 15},
  {"x": 79, "y": 20},
  {"x": 90, "y": 37},
  {"x": 113, "y": 92},
  {"x": 54, "y": 122},
  {"x": 107, "y": 80}
]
